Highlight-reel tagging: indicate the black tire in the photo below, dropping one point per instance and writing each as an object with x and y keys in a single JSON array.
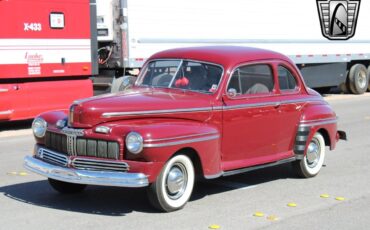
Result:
[
  {"x": 310, "y": 166},
  {"x": 65, "y": 187},
  {"x": 358, "y": 79},
  {"x": 181, "y": 170},
  {"x": 368, "y": 76}
]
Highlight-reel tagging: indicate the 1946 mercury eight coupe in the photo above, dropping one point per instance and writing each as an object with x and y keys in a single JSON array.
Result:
[{"x": 206, "y": 111}]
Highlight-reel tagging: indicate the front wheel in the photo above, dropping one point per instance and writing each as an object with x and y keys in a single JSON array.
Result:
[
  {"x": 65, "y": 187},
  {"x": 313, "y": 160},
  {"x": 174, "y": 185}
]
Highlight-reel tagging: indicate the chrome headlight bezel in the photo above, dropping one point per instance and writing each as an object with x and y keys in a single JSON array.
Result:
[
  {"x": 39, "y": 127},
  {"x": 134, "y": 142}
]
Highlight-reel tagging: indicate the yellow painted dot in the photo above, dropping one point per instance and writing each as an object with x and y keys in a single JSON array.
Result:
[
  {"x": 258, "y": 214},
  {"x": 272, "y": 218},
  {"x": 214, "y": 226},
  {"x": 324, "y": 196},
  {"x": 292, "y": 204},
  {"x": 22, "y": 174},
  {"x": 340, "y": 198},
  {"x": 12, "y": 173}
]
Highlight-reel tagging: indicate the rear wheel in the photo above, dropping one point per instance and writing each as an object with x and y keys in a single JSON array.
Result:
[
  {"x": 174, "y": 185},
  {"x": 313, "y": 160},
  {"x": 65, "y": 187},
  {"x": 358, "y": 79}
]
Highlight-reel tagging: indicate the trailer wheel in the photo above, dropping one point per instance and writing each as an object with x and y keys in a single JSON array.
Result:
[
  {"x": 358, "y": 79},
  {"x": 368, "y": 77}
]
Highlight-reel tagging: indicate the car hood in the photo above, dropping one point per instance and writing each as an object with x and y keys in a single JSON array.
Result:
[{"x": 141, "y": 103}]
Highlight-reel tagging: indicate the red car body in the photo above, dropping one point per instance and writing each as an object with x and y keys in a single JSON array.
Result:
[{"x": 222, "y": 132}]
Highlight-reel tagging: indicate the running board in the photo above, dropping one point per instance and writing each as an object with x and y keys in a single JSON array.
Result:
[{"x": 243, "y": 170}]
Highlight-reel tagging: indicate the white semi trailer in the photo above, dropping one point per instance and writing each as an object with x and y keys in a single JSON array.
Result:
[{"x": 129, "y": 31}]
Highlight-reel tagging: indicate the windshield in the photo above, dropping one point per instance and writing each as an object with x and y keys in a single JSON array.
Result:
[{"x": 181, "y": 74}]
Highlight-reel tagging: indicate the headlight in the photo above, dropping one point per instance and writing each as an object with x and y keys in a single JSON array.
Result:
[
  {"x": 39, "y": 126},
  {"x": 134, "y": 142}
]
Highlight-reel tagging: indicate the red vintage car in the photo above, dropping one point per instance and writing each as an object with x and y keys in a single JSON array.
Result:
[{"x": 193, "y": 112}]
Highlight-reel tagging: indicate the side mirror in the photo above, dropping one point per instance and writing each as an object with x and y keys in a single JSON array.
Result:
[{"x": 231, "y": 92}]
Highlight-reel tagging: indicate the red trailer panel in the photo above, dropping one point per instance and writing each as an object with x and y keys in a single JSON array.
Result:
[{"x": 45, "y": 56}]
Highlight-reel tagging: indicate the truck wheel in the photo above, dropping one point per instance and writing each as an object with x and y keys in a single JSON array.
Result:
[
  {"x": 65, "y": 187},
  {"x": 358, "y": 79},
  {"x": 174, "y": 185},
  {"x": 313, "y": 160},
  {"x": 368, "y": 77}
]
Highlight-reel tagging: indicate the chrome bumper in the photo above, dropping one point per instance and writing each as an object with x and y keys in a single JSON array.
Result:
[{"x": 105, "y": 178}]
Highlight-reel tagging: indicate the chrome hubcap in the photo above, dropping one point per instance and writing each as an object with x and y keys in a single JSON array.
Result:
[
  {"x": 362, "y": 79},
  {"x": 176, "y": 181},
  {"x": 313, "y": 153}
]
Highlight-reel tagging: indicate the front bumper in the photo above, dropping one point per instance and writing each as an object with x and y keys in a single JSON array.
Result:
[{"x": 118, "y": 179}]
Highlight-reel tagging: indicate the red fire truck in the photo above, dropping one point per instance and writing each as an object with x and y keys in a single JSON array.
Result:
[{"x": 54, "y": 52}]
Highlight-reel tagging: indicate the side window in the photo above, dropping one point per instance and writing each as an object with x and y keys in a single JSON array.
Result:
[
  {"x": 286, "y": 79},
  {"x": 252, "y": 79}
]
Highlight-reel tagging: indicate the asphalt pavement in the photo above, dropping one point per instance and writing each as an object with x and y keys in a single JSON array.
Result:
[{"x": 28, "y": 202}]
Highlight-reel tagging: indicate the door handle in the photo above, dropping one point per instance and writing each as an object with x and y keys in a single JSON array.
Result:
[{"x": 277, "y": 105}]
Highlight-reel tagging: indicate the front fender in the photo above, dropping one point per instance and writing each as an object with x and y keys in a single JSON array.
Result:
[{"x": 163, "y": 138}]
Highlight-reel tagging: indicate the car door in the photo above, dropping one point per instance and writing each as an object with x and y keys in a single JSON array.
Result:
[
  {"x": 292, "y": 101},
  {"x": 250, "y": 111}
]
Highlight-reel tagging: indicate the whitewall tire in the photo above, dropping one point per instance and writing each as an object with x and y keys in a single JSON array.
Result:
[
  {"x": 314, "y": 157},
  {"x": 174, "y": 185}
]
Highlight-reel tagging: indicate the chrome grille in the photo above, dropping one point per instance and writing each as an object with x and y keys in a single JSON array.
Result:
[
  {"x": 78, "y": 146},
  {"x": 53, "y": 157},
  {"x": 91, "y": 164}
]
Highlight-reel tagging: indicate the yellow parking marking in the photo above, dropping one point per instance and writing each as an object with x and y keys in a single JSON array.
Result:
[
  {"x": 292, "y": 204},
  {"x": 339, "y": 198},
  {"x": 214, "y": 226},
  {"x": 258, "y": 214},
  {"x": 14, "y": 173},
  {"x": 22, "y": 174},
  {"x": 324, "y": 196},
  {"x": 272, "y": 218}
]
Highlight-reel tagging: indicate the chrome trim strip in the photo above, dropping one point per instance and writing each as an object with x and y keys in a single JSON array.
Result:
[
  {"x": 150, "y": 145},
  {"x": 253, "y": 105},
  {"x": 73, "y": 132},
  {"x": 152, "y": 112},
  {"x": 4, "y": 90},
  {"x": 6, "y": 112},
  {"x": 180, "y": 137},
  {"x": 206, "y": 109},
  {"x": 243, "y": 170},
  {"x": 80, "y": 160},
  {"x": 302, "y": 101},
  {"x": 318, "y": 122},
  {"x": 104, "y": 178},
  {"x": 276, "y": 103}
]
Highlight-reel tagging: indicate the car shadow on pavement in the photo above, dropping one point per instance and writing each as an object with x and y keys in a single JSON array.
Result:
[
  {"x": 113, "y": 201},
  {"x": 109, "y": 201},
  {"x": 243, "y": 181}
]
